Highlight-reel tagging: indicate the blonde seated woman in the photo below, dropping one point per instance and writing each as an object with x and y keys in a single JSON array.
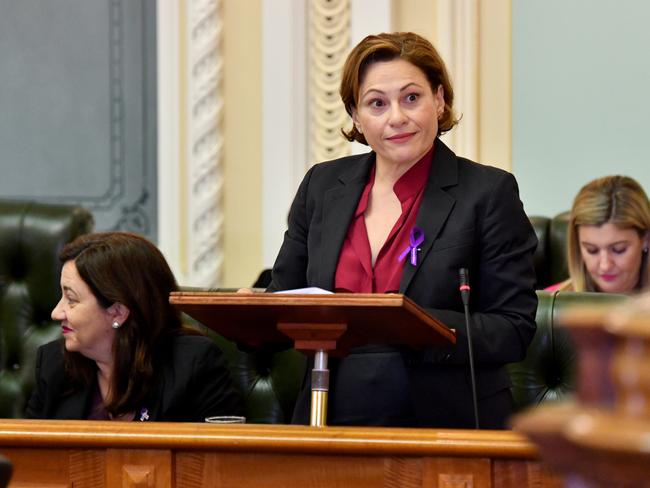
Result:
[{"x": 608, "y": 235}]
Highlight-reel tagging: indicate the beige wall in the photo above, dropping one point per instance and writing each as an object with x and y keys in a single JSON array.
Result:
[
  {"x": 242, "y": 159},
  {"x": 416, "y": 16},
  {"x": 495, "y": 83}
]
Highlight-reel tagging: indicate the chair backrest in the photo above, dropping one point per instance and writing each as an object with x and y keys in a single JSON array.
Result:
[
  {"x": 548, "y": 371},
  {"x": 268, "y": 379},
  {"x": 551, "y": 255},
  {"x": 31, "y": 237},
  {"x": 541, "y": 226}
]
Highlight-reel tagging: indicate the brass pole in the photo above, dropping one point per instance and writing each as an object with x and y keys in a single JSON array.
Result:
[{"x": 320, "y": 377}]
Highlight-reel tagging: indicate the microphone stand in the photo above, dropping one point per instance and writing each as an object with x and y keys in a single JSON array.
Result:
[{"x": 464, "y": 293}]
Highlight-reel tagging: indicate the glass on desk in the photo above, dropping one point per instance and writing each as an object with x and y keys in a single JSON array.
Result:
[{"x": 226, "y": 419}]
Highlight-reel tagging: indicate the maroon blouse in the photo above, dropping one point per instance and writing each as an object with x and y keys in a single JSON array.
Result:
[{"x": 354, "y": 272}]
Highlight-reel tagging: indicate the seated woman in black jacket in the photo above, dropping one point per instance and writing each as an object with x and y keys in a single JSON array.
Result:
[{"x": 124, "y": 354}]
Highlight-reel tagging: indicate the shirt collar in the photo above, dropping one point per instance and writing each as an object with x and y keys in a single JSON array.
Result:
[
  {"x": 412, "y": 182},
  {"x": 408, "y": 186}
]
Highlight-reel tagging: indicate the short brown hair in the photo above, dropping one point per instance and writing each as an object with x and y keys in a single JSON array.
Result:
[
  {"x": 126, "y": 268},
  {"x": 408, "y": 46},
  {"x": 619, "y": 200}
]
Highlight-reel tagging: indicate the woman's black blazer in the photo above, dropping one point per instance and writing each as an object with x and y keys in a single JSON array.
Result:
[
  {"x": 472, "y": 218},
  {"x": 193, "y": 383}
]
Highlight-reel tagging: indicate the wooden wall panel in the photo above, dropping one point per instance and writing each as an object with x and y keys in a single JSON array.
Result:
[
  {"x": 130, "y": 468},
  {"x": 446, "y": 472}
]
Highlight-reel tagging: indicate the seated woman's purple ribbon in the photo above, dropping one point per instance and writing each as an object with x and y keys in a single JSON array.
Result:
[{"x": 416, "y": 238}]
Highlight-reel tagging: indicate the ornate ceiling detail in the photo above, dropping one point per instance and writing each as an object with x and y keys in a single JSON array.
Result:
[{"x": 329, "y": 43}]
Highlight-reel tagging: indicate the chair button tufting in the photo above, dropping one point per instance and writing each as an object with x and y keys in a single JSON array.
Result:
[{"x": 32, "y": 235}]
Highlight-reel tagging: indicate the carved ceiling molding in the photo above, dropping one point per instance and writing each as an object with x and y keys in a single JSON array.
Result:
[{"x": 329, "y": 44}]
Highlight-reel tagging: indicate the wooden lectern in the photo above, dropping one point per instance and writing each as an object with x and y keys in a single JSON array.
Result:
[{"x": 318, "y": 323}]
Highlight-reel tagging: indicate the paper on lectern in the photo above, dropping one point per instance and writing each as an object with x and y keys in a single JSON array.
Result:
[{"x": 312, "y": 290}]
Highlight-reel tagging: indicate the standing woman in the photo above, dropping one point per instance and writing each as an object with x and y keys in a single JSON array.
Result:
[
  {"x": 124, "y": 354},
  {"x": 353, "y": 219},
  {"x": 609, "y": 232}
]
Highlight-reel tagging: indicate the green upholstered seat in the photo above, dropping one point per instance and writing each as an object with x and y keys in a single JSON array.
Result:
[
  {"x": 31, "y": 236},
  {"x": 548, "y": 371},
  {"x": 268, "y": 379},
  {"x": 550, "y": 255}
]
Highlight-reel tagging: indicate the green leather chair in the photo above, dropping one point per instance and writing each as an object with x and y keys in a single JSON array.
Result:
[
  {"x": 548, "y": 371},
  {"x": 550, "y": 256},
  {"x": 269, "y": 380},
  {"x": 31, "y": 236}
]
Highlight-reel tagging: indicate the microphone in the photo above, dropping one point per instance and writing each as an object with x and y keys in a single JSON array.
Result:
[{"x": 464, "y": 288}]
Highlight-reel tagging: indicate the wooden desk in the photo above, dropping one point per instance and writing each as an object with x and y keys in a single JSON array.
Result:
[{"x": 52, "y": 454}]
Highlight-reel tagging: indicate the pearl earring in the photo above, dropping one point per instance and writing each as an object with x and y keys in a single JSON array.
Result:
[
  {"x": 116, "y": 325},
  {"x": 359, "y": 129}
]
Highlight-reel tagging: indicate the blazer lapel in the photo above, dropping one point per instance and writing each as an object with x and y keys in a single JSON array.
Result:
[
  {"x": 339, "y": 204},
  {"x": 435, "y": 207}
]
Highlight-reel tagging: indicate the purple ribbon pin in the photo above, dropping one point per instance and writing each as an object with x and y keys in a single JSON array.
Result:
[
  {"x": 144, "y": 415},
  {"x": 416, "y": 238}
]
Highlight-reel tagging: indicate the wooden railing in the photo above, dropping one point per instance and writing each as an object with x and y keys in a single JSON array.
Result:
[{"x": 132, "y": 454}]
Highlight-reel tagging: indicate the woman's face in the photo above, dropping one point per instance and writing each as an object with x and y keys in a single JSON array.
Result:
[
  {"x": 397, "y": 111},
  {"x": 85, "y": 324},
  {"x": 612, "y": 256}
]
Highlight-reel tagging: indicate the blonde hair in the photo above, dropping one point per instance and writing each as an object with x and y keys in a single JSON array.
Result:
[
  {"x": 619, "y": 200},
  {"x": 386, "y": 47}
]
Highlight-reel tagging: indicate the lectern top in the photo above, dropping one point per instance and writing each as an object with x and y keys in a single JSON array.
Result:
[{"x": 369, "y": 318}]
